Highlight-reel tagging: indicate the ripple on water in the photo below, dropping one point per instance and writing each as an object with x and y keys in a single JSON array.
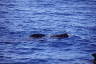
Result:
[{"x": 20, "y": 19}]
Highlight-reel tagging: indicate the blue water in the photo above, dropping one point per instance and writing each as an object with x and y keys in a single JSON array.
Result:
[{"x": 21, "y": 18}]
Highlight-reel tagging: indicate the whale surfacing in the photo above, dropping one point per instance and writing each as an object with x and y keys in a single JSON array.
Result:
[
  {"x": 65, "y": 35},
  {"x": 37, "y": 35}
]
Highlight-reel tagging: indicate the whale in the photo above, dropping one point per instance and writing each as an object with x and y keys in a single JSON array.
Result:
[
  {"x": 65, "y": 35},
  {"x": 37, "y": 35}
]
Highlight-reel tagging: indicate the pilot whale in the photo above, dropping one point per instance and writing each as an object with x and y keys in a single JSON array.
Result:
[
  {"x": 37, "y": 35},
  {"x": 65, "y": 35}
]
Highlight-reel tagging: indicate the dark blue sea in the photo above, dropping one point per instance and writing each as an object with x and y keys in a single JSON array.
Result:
[{"x": 21, "y": 18}]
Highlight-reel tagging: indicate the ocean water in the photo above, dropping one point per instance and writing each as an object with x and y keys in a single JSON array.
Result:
[{"x": 21, "y": 18}]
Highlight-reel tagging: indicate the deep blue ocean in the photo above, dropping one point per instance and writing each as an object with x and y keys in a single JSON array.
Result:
[{"x": 21, "y": 18}]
